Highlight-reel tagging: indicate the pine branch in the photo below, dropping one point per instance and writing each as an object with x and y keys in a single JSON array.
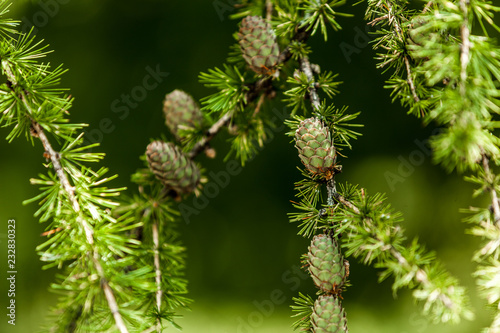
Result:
[
  {"x": 55, "y": 159},
  {"x": 461, "y": 68},
  {"x": 73, "y": 200},
  {"x": 390, "y": 14},
  {"x": 381, "y": 239},
  {"x": 410, "y": 80},
  {"x": 256, "y": 89}
]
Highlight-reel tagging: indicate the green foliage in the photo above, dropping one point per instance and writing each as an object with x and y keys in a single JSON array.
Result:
[
  {"x": 452, "y": 72},
  {"x": 107, "y": 277},
  {"x": 367, "y": 227},
  {"x": 232, "y": 89},
  {"x": 370, "y": 230},
  {"x": 320, "y": 13},
  {"x": 124, "y": 253},
  {"x": 303, "y": 308}
]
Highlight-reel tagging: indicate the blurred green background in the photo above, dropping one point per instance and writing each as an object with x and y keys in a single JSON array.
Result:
[{"x": 241, "y": 248}]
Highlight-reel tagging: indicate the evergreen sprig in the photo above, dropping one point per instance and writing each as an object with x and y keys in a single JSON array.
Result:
[
  {"x": 371, "y": 231},
  {"x": 303, "y": 308},
  {"x": 232, "y": 89},
  {"x": 368, "y": 228},
  {"x": 123, "y": 264},
  {"x": 105, "y": 280},
  {"x": 453, "y": 72}
]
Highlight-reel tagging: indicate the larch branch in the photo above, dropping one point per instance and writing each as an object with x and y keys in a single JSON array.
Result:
[{"x": 420, "y": 275}]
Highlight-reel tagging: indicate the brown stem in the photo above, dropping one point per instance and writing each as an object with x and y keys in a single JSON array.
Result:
[
  {"x": 269, "y": 10},
  {"x": 378, "y": 19},
  {"x": 259, "y": 104},
  {"x": 410, "y": 80},
  {"x": 464, "y": 54},
  {"x": 159, "y": 291},
  {"x": 494, "y": 197},
  {"x": 305, "y": 65},
  {"x": 200, "y": 145}
]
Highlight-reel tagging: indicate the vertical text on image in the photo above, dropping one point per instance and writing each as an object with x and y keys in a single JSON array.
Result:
[{"x": 11, "y": 271}]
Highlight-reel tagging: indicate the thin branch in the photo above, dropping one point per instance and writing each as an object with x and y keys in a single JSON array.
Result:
[
  {"x": 428, "y": 6},
  {"x": 420, "y": 275},
  {"x": 301, "y": 35},
  {"x": 331, "y": 190},
  {"x": 410, "y": 80},
  {"x": 159, "y": 291},
  {"x": 394, "y": 21},
  {"x": 200, "y": 145},
  {"x": 378, "y": 19},
  {"x": 259, "y": 104},
  {"x": 269, "y": 10},
  {"x": 464, "y": 54},
  {"x": 494, "y": 197},
  {"x": 305, "y": 65},
  {"x": 55, "y": 158},
  {"x": 108, "y": 292}
]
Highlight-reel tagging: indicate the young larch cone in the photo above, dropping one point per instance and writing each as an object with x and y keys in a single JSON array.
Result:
[
  {"x": 258, "y": 45},
  {"x": 174, "y": 169},
  {"x": 315, "y": 145},
  {"x": 326, "y": 264},
  {"x": 181, "y": 112},
  {"x": 328, "y": 316}
]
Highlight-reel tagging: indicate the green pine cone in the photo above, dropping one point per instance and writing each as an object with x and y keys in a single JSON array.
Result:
[
  {"x": 315, "y": 145},
  {"x": 258, "y": 45},
  {"x": 326, "y": 264},
  {"x": 328, "y": 316},
  {"x": 174, "y": 169},
  {"x": 181, "y": 112}
]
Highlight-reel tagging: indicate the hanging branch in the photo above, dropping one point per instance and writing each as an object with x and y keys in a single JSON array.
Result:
[
  {"x": 395, "y": 21},
  {"x": 56, "y": 163},
  {"x": 420, "y": 275},
  {"x": 394, "y": 41},
  {"x": 460, "y": 69}
]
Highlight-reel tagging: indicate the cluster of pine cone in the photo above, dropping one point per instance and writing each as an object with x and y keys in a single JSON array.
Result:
[
  {"x": 326, "y": 264},
  {"x": 174, "y": 169}
]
